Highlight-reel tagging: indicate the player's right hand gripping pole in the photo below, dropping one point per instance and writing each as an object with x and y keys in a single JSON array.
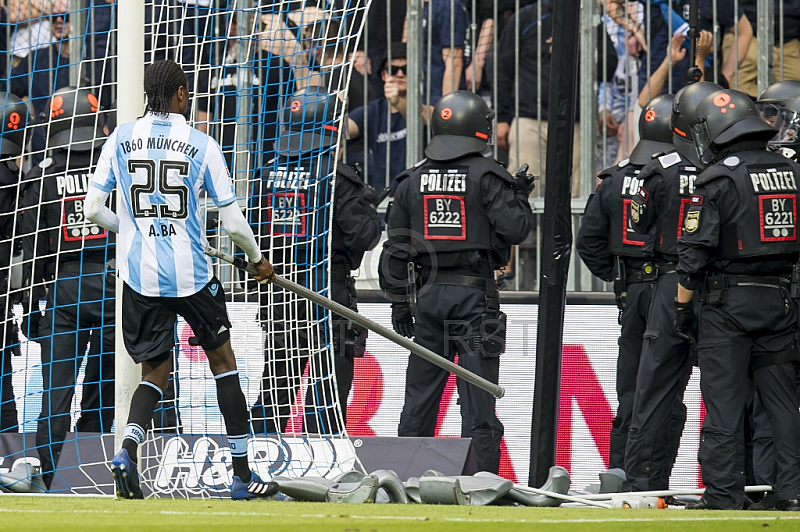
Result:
[{"x": 427, "y": 354}]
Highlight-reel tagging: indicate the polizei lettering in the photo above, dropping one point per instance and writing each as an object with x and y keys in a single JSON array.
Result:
[
  {"x": 73, "y": 184},
  {"x": 285, "y": 179},
  {"x": 164, "y": 143},
  {"x": 686, "y": 184},
  {"x": 438, "y": 181},
  {"x": 631, "y": 185},
  {"x": 773, "y": 180}
]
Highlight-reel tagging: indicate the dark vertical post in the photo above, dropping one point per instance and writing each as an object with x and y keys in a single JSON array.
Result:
[{"x": 557, "y": 239}]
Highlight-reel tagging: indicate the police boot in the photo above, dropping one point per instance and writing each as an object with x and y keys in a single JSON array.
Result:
[
  {"x": 789, "y": 505},
  {"x": 767, "y": 503},
  {"x": 702, "y": 504}
]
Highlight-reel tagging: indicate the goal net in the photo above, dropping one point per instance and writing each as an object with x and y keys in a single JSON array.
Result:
[{"x": 244, "y": 60}]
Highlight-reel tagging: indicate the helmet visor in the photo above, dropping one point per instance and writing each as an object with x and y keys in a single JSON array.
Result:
[
  {"x": 769, "y": 112},
  {"x": 788, "y": 125},
  {"x": 702, "y": 141}
]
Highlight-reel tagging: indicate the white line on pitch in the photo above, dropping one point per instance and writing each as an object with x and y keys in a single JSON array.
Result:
[
  {"x": 421, "y": 518},
  {"x": 669, "y": 519}
]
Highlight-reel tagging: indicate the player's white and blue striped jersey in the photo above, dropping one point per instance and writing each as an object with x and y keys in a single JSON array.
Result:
[{"x": 160, "y": 164}]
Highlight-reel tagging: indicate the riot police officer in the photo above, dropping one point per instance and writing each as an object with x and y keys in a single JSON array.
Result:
[
  {"x": 774, "y": 98},
  {"x": 453, "y": 218},
  {"x": 69, "y": 256},
  {"x": 659, "y": 415},
  {"x": 614, "y": 251},
  {"x": 15, "y": 119},
  {"x": 301, "y": 178},
  {"x": 739, "y": 246}
]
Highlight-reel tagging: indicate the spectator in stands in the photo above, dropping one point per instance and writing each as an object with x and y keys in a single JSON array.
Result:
[
  {"x": 520, "y": 134},
  {"x": 788, "y": 51},
  {"x": 380, "y": 134},
  {"x": 616, "y": 101},
  {"x": 525, "y": 134},
  {"x": 445, "y": 72},
  {"x": 219, "y": 110},
  {"x": 49, "y": 69},
  {"x": 378, "y": 35},
  {"x": 31, "y": 26},
  {"x": 654, "y": 39},
  {"x": 657, "y": 81}
]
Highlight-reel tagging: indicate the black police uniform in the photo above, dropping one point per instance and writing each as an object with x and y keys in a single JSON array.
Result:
[
  {"x": 613, "y": 251},
  {"x": 665, "y": 366},
  {"x": 297, "y": 243},
  {"x": 459, "y": 216},
  {"x": 71, "y": 255},
  {"x": 742, "y": 231},
  {"x": 9, "y": 180}
]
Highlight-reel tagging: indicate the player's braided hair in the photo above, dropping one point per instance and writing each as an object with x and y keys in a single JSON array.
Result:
[{"x": 161, "y": 80}]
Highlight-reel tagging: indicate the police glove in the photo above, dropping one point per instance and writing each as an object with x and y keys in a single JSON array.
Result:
[
  {"x": 402, "y": 320},
  {"x": 373, "y": 197},
  {"x": 524, "y": 182},
  {"x": 685, "y": 322}
]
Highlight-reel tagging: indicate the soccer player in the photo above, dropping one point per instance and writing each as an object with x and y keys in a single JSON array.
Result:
[{"x": 161, "y": 164}]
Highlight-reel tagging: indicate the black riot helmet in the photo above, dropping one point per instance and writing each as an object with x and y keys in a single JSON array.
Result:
[
  {"x": 308, "y": 122},
  {"x": 775, "y": 96},
  {"x": 724, "y": 118},
  {"x": 683, "y": 111},
  {"x": 15, "y": 119},
  {"x": 74, "y": 120},
  {"x": 788, "y": 126},
  {"x": 462, "y": 123},
  {"x": 655, "y": 132}
]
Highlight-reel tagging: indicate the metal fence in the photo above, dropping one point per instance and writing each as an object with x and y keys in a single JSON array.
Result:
[{"x": 630, "y": 51}]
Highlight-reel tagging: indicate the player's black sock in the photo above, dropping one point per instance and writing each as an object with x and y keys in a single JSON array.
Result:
[
  {"x": 234, "y": 410},
  {"x": 143, "y": 402}
]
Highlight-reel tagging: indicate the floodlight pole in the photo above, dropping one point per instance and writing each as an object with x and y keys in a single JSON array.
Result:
[
  {"x": 557, "y": 241},
  {"x": 130, "y": 104}
]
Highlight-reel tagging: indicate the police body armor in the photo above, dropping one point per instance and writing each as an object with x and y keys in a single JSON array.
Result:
[
  {"x": 352, "y": 258},
  {"x": 447, "y": 207},
  {"x": 63, "y": 189},
  {"x": 292, "y": 214},
  {"x": 679, "y": 182},
  {"x": 766, "y": 226},
  {"x": 8, "y": 208},
  {"x": 624, "y": 240}
]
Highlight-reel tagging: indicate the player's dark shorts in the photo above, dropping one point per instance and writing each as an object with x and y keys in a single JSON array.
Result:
[{"x": 148, "y": 323}]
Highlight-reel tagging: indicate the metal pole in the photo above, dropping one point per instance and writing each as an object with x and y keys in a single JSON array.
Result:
[
  {"x": 77, "y": 31},
  {"x": 244, "y": 98},
  {"x": 341, "y": 310},
  {"x": 414, "y": 53},
  {"x": 129, "y": 106},
  {"x": 764, "y": 29},
  {"x": 557, "y": 240},
  {"x": 588, "y": 97}
]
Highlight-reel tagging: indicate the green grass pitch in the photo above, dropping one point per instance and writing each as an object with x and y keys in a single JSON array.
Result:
[{"x": 77, "y": 513}]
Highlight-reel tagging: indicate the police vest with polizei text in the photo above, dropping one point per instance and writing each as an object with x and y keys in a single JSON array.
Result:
[
  {"x": 625, "y": 184},
  {"x": 447, "y": 211},
  {"x": 765, "y": 221},
  {"x": 293, "y": 213},
  {"x": 63, "y": 191},
  {"x": 678, "y": 183}
]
